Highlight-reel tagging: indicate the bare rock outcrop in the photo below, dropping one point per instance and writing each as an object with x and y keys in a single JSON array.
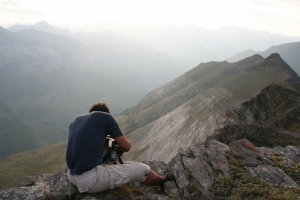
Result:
[{"x": 209, "y": 170}]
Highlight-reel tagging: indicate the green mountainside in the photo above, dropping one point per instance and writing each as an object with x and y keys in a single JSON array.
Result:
[
  {"x": 34, "y": 75},
  {"x": 16, "y": 136},
  {"x": 191, "y": 107},
  {"x": 62, "y": 45},
  {"x": 14, "y": 169}
]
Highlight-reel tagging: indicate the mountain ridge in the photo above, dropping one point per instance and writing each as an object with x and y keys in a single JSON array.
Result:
[
  {"x": 192, "y": 113},
  {"x": 280, "y": 112},
  {"x": 275, "y": 60},
  {"x": 288, "y": 51},
  {"x": 200, "y": 45}
]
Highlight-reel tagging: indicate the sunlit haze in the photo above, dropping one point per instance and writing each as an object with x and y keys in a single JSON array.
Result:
[{"x": 275, "y": 16}]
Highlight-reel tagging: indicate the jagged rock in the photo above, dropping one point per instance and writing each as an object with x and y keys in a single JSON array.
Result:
[
  {"x": 292, "y": 148},
  {"x": 218, "y": 160},
  {"x": 61, "y": 188},
  {"x": 38, "y": 189},
  {"x": 282, "y": 150},
  {"x": 213, "y": 144},
  {"x": 171, "y": 188},
  {"x": 267, "y": 151},
  {"x": 209, "y": 170},
  {"x": 289, "y": 152},
  {"x": 179, "y": 174},
  {"x": 238, "y": 114},
  {"x": 200, "y": 171},
  {"x": 275, "y": 175},
  {"x": 252, "y": 155},
  {"x": 289, "y": 155},
  {"x": 244, "y": 147},
  {"x": 155, "y": 197},
  {"x": 252, "y": 161},
  {"x": 89, "y": 198}
]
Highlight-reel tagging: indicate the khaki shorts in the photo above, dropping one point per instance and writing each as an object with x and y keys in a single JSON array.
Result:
[{"x": 104, "y": 177}]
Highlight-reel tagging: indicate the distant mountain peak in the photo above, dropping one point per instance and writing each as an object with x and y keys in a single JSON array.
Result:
[
  {"x": 275, "y": 62},
  {"x": 42, "y": 23},
  {"x": 273, "y": 55},
  {"x": 44, "y": 26}
]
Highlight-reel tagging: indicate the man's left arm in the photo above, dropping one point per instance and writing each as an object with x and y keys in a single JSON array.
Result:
[{"x": 124, "y": 143}]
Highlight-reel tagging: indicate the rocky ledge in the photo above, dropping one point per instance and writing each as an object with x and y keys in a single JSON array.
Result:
[{"x": 209, "y": 170}]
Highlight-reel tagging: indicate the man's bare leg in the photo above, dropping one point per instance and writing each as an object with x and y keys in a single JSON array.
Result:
[{"x": 153, "y": 179}]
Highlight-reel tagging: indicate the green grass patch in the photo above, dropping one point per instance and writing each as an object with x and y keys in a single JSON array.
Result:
[{"x": 49, "y": 160}]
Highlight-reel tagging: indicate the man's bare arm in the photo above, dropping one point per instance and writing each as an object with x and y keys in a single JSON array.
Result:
[{"x": 124, "y": 143}]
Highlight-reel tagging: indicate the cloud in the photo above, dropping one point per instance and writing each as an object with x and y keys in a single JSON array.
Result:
[
  {"x": 12, "y": 6},
  {"x": 181, "y": 13},
  {"x": 292, "y": 2},
  {"x": 271, "y": 3},
  {"x": 10, "y": 3},
  {"x": 263, "y": 3}
]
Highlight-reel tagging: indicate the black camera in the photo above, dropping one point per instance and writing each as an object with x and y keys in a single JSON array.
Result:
[{"x": 111, "y": 152}]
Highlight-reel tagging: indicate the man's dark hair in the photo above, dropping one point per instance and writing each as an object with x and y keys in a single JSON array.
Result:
[{"x": 99, "y": 107}]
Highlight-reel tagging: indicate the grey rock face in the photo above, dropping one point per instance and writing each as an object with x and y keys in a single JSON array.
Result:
[
  {"x": 196, "y": 170},
  {"x": 213, "y": 144},
  {"x": 252, "y": 155},
  {"x": 60, "y": 187},
  {"x": 34, "y": 187},
  {"x": 275, "y": 175},
  {"x": 171, "y": 188}
]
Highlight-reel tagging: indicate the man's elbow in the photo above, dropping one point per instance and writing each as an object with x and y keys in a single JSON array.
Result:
[
  {"x": 124, "y": 143},
  {"x": 127, "y": 147}
]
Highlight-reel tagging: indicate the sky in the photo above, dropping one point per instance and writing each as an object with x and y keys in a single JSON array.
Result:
[{"x": 274, "y": 16}]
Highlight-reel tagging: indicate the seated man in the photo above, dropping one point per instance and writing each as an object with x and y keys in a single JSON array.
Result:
[{"x": 86, "y": 140}]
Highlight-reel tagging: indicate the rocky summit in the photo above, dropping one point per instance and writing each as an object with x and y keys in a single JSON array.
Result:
[{"x": 209, "y": 170}]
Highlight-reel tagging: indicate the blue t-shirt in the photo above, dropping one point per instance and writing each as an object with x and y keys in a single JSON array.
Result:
[{"x": 87, "y": 135}]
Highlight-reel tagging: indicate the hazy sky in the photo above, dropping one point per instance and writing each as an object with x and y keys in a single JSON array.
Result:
[{"x": 275, "y": 16}]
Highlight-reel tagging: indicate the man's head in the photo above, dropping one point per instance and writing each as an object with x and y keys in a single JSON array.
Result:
[{"x": 99, "y": 107}]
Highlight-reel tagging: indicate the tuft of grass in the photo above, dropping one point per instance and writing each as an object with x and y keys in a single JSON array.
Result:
[
  {"x": 194, "y": 188},
  {"x": 292, "y": 171},
  {"x": 222, "y": 186}
]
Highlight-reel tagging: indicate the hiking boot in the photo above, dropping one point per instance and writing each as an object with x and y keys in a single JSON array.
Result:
[{"x": 169, "y": 177}]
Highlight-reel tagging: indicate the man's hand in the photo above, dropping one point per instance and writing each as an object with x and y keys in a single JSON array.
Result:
[
  {"x": 124, "y": 144},
  {"x": 120, "y": 151}
]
